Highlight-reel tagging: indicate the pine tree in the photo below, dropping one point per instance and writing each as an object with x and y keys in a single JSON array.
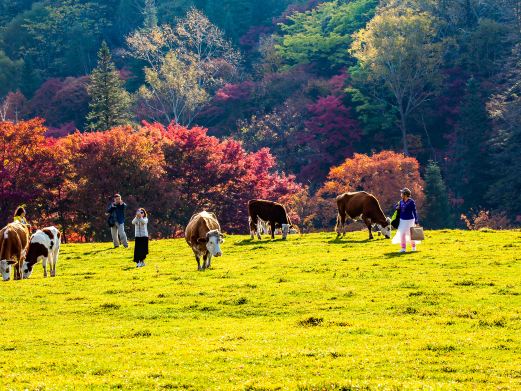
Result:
[
  {"x": 110, "y": 102},
  {"x": 437, "y": 209},
  {"x": 150, "y": 14},
  {"x": 470, "y": 172}
]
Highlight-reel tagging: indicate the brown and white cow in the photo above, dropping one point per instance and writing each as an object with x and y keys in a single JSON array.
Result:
[
  {"x": 14, "y": 239},
  {"x": 203, "y": 235},
  {"x": 44, "y": 245},
  {"x": 273, "y": 213},
  {"x": 362, "y": 205}
]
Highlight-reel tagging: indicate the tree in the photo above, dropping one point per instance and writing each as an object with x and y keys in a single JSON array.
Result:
[
  {"x": 505, "y": 110},
  {"x": 322, "y": 35},
  {"x": 9, "y": 73},
  {"x": 399, "y": 50},
  {"x": 382, "y": 174},
  {"x": 110, "y": 102},
  {"x": 185, "y": 65},
  {"x": 150, "y": 14},
  {"x": 25, "y": 165},
  {"x": 437, "y": 213},
  {"x": 469, "y": 156}
]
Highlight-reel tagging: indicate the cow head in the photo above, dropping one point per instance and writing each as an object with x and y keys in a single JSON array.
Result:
[
  {"x": 5, "y": 268},
  {"x": 213, "y": 241},
  {"x": 386, "y": 228}
]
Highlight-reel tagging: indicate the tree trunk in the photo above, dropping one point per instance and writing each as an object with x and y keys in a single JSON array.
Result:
[{"x": 403, "y": 128}]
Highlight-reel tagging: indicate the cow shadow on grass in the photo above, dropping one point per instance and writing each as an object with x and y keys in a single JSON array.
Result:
[
  {"x": 257, "y": 242},
  {"x": 340, "y": 240}
]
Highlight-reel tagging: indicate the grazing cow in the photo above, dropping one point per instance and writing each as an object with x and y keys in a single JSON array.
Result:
[
  {"x": 14, "y": 239},
  {"x": 44, "y": 245},
  {"x": 273, "y": 213},
  {"x": 203, "y": 235},
  {"x": 362, "y": 205}
]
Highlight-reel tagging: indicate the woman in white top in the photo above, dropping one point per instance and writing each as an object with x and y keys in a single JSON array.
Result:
[{"x": 141, "y": 233}]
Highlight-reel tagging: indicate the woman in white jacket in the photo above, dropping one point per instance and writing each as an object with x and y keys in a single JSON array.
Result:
[{"x": 141, "y": 233}]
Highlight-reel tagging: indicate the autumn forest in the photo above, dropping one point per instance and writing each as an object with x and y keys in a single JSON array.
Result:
[{"x": 189, "y": 104}]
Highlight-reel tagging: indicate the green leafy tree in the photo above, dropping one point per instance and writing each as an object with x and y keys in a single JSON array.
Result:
[
  {"x": 110, "y": 102},
  {"x": 437, "y": 212},
  {"x": 323, "y": 35},
  {"x": 9, "y": 73},
  {"x": 398, "y": 52}
]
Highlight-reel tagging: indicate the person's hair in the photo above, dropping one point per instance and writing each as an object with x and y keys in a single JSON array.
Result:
[
  {"x": 117, "y": 195},
  {"x": 144, "y": 212},
  {"x": 19, "y": 211},
  {"x": 406, "y": 191}
]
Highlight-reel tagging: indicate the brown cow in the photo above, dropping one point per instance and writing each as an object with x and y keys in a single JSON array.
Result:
[
  {"x": 203, "y": 235},
  {"x": 14, "y": 240},
  {"x": 361, "y": 205},
  {"x": 271, "y": 212}
]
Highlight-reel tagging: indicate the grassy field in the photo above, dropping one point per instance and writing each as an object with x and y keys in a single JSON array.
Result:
[{"x": 311, "y": 312}]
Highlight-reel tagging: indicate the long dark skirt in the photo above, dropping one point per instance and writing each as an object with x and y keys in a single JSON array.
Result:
[{"x": 140, "y": 249}]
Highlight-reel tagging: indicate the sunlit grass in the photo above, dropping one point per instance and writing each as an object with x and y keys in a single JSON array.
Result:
[{"x": 311, "y": 312}]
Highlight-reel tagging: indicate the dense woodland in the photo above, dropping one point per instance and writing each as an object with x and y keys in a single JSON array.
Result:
[{"x": 188, "y": 104}]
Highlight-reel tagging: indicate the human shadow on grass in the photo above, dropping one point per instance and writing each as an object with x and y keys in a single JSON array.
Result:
[
  {"x": 396, "y": 254},
  {"x": 97, "y": 251}
]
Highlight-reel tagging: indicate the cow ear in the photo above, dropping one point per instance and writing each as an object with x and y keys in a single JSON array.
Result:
[{"x": 202, "y": 240}]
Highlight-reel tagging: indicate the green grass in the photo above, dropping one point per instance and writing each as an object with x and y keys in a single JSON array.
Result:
[{"x": 307, "y": 313}]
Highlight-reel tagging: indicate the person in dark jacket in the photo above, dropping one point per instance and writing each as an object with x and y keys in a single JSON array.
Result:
[
  {"x": 117, "y": 209},
  {"x": 408, "y": 219}
]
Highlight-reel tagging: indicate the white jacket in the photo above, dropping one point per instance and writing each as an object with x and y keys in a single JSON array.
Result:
[{"x": 140, "y": 226}]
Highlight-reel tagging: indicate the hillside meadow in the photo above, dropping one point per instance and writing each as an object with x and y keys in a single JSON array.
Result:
[{"x": 311, "y": 312}]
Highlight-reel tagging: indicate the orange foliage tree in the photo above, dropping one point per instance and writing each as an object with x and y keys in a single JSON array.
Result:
[{"x": 383, "y": 174}]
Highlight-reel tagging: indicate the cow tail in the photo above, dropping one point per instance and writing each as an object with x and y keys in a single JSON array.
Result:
[{"x": 5, "y": 243}]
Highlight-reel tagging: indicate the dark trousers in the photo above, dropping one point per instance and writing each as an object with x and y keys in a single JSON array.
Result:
[{"x": 140, "y": 249}]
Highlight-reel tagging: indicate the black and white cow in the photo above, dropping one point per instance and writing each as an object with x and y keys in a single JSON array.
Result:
[{"x": 44, "y": 245}]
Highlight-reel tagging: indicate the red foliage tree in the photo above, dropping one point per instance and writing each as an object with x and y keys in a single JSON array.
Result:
[
  {"x": 331, "y": 132},
  {"x": 102, "y": 164},
  {"x": 64, "y": 103},
  {"x": 218, "y": 175},
  {"x": 382, "y": 174},
  {"x": 25, "y": 166}
]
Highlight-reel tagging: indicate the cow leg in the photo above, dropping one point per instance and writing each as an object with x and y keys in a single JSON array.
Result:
[
  {"x": 17, "y": 271},
  {"x": 272, "y": 226},
  {"x": 338, "y": 225},
  {"x": 44, "y": 264},
  {"x": 369, "y": 224},
  {"x": 205, "y": 258},
  {"x": 198, "y": 259},
  {"x": 209, "y": 261},
  {"x": 52, "y": 264}
]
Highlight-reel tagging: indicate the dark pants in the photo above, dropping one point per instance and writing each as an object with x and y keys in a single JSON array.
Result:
[{"x": 140, "y": 249}]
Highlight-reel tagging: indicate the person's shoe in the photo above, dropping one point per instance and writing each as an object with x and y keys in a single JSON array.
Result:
[
  {"x": 413, "y": 249},
  {"x": 402, "y": 250},
  {"x": 138, "y": 264},
  {"x": 142, "y": 263}
]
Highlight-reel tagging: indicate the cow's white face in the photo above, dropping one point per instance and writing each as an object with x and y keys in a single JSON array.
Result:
[
  {"x": 5, "y": 269},
  {"x": 27, "y": 269},
  {"x": 386, "y": 231},
  {"x": 213, "y": 245},
  {"x": 285, "y": 230}
]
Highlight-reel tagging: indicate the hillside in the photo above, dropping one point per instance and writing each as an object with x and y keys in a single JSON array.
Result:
[{"x": 309, "y": 313}]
